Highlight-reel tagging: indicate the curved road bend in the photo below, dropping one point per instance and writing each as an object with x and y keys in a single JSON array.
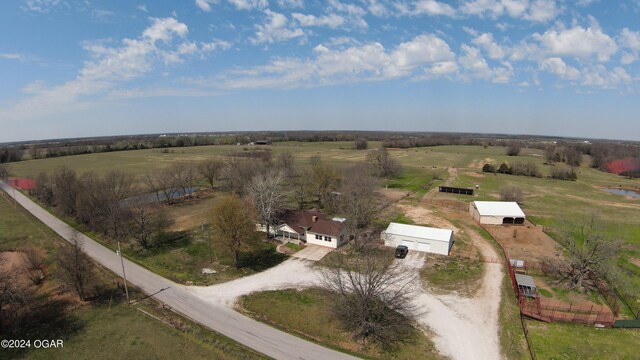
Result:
[{"x": 255, "y": 335}]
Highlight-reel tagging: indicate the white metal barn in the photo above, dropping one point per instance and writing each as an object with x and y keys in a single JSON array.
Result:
[
  {"x": 419, "y": 238},
  {"x": 496, "y": 212}
]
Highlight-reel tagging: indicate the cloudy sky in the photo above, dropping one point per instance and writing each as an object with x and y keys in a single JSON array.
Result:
[{"x": 552, "y": 67}]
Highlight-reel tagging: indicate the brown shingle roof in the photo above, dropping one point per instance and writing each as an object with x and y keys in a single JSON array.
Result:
[{"x": 301, "y": 220}]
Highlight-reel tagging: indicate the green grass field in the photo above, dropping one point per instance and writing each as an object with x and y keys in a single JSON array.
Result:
[
  {"x": 103, "y": 331},
  {"x": 308, "y": 313},
  {"x": 545, "y": 200}
]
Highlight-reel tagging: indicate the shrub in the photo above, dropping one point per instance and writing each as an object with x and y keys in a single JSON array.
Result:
[{"x": 488, "y": 168}]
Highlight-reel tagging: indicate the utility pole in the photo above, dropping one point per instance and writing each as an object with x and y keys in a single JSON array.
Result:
[
  {"x": 124, "y": 275},
  {"x": 209, "y": 241}
]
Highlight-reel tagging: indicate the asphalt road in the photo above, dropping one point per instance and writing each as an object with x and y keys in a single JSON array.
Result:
[{"x": 255, "y": 335}]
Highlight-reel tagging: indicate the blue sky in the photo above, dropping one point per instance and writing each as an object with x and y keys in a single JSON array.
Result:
[{"x": 549, "y": 67}]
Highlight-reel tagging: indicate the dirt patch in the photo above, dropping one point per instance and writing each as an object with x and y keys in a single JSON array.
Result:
[
  {"x": 392, "y": 195},
  {"x": 635, "y": 261},
  {"x": 480, "y": 163},
  {"x": 530, "y": 242},
  {"x": 10, "y": 260},
  {"x": 421, "y": 215},
  {"x": 474, "y": 174}
]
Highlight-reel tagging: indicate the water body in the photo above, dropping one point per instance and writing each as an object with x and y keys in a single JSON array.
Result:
[
  {"x": 156, "y": 197},
  {"x": 623, "y": 192}
]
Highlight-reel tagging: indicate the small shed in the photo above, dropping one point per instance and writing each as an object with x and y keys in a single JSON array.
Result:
[
  {"x": 526, "y": 286},
  {"x": 496, "y": 212},
  {"x": 419, "y": 238}
]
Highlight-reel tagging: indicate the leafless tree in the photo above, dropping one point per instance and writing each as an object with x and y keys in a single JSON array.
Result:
[
  {"x": 44, "y": 189},
  {"x": 145, "y": 223},
  {"x": 373, "y": 297},
  {"x": 33, "y": 265},
  {"x": 65, "y": 190},
  {"x": 238, "y": 173},
  {"x": 514, "y": 148},
  {"x": 383, "y": 165},
  {"x": 361, "y": 144},
  {"x": 172, "y": 182},
  {"x": 101, "y": 201},
  {"x": 590, "y": 254},
  {"x": 510, "y": 193},
  {"x": 302, "y": 187},
  {"x": 210, "y": 170},
  {"x": 325, "y": 181},
  {"x": 267, "y": 196},
  {"x": 234, "y": 222},
  {"x": 4, "y": 171},
  {"x": 357, "y": 201},
  {"x": 286, "y": 163},
  {"x": 76, "y": 267}
]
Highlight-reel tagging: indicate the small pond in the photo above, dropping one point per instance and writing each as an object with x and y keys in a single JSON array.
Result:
[{"x": 624, "y": 192}]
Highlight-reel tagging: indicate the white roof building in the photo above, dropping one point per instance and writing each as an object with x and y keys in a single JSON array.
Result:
[
  {"x": 420, "y": 238},
  {"x": 497, "y": 212}
]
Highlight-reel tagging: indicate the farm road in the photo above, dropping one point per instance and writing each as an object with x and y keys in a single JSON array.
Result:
[{"x": 255, "y": 335}]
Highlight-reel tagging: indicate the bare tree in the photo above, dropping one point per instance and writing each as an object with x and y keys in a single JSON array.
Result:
[
  {"x": 325, "y": 181},
  {"x": 4, "y": 171},
  {"x": 44, "y": 189},
  {"x": 513, "y": 149},
  {"x": 172, "y": 182},
  {"x": 590, "y": 254},
  {"x": 302, "y": 187},
  {"x": 34, "y": 265},
  {"x": 239, "y": 172},
  {"x": 76, "y": 267},
  {"x": 265, "y": 192},
  {"x": 510, "y": 193},
  {"x": 234, "y": 222},
  {"x": 361, "y": 144},
  {"x": 357, "y": 200},
  {"x": 383, "y": 165},
  {"x": 65, "y": 189},
  {"x": 210, "y": 170},
  {"x": 286, "y": 163},
  {"x": 145, "y": 223},
  {"x": 373, "y": 297}
]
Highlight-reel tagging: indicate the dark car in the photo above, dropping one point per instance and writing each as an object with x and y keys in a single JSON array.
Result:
[{"x": 401, "y": 251}]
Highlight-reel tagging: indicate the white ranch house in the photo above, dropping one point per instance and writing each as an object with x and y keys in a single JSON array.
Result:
[
  {"x": 419, "y": 238},
  {"x": 310, "y": 227}
]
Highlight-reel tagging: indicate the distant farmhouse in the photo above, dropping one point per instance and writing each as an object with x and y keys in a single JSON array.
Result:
[
  {"x": 419, "y": 238},
  {"x": 311, "y": 227},
  {"x": 496, "y": 212}
]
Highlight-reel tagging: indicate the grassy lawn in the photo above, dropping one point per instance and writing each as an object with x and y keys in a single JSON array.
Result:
[
  {"x": 308, "y": 313},
  {"x": 563, "y": 341},
  {"x": 452, "y": 274},
  {"x": 104, "y": 329},
  {"x": 121, "y": 331}
]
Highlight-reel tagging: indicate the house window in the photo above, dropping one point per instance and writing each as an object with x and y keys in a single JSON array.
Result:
[
  {"x": 318, "y": 237},
  {"x": 327, "y": 238}
]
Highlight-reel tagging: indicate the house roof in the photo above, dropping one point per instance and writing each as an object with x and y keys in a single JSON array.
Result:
[
  {"x": 499, "y": 208},
  {"x": 302, "y": 220},
  {"x": 419, "y": 232}
]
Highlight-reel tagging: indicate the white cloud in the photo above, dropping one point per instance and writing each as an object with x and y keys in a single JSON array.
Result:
[
  {"x": 486, "y": 42},
  {"x": 376, "y": 8},
  {"x": 291, "y": 3},
  {"x": 331, "y": 20},
  {"x": 367, "y": 62},
  {"x": 275, "y": 29},
  {"x": 353, "y": 14},
  {"x": 600, "y": 76},
  {"x": 142, "y": 7},
  {"x": 249, "y": 4},
  {"x": 12, "y": 56},
  {"x": 41, "y": 6},
  {"x": 629, "y": 40},
  {"x": 205, "y": 5},
  {"x": 558, "y": 67},
  {"x": 542, "y": 11},
  {"x": 490, "y": 8},
  {"x": 578, "y": 42},
  {"x": 108, "y": 67},
  {"x": 433, "y": 8},
  {"x": 476, "y": 67}
]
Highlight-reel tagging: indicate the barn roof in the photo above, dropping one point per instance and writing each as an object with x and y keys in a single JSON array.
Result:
[
  {"x": 525, "y": 280},
  {"x": 419, "y": 232},
  {"x": 499, "y": 208}
]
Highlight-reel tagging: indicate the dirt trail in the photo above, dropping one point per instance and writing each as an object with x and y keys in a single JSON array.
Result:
[
  {"x": 465, "y": 328},
  {"x": 453, "y": 175}
]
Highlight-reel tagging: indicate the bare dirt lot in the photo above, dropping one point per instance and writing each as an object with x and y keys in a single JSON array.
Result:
[{"x": 530, "y": 242}]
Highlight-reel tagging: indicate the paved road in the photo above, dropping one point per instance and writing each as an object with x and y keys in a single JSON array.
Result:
[{"x": 255, "y": 335}]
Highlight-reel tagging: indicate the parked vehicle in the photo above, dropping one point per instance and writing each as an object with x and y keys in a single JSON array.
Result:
[{"x": 401, "y": 251}]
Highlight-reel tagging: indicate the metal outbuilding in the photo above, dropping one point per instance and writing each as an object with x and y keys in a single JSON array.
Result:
[
  {"x": 419, "y": 238},
  {"x": 496, "y": 212}
]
